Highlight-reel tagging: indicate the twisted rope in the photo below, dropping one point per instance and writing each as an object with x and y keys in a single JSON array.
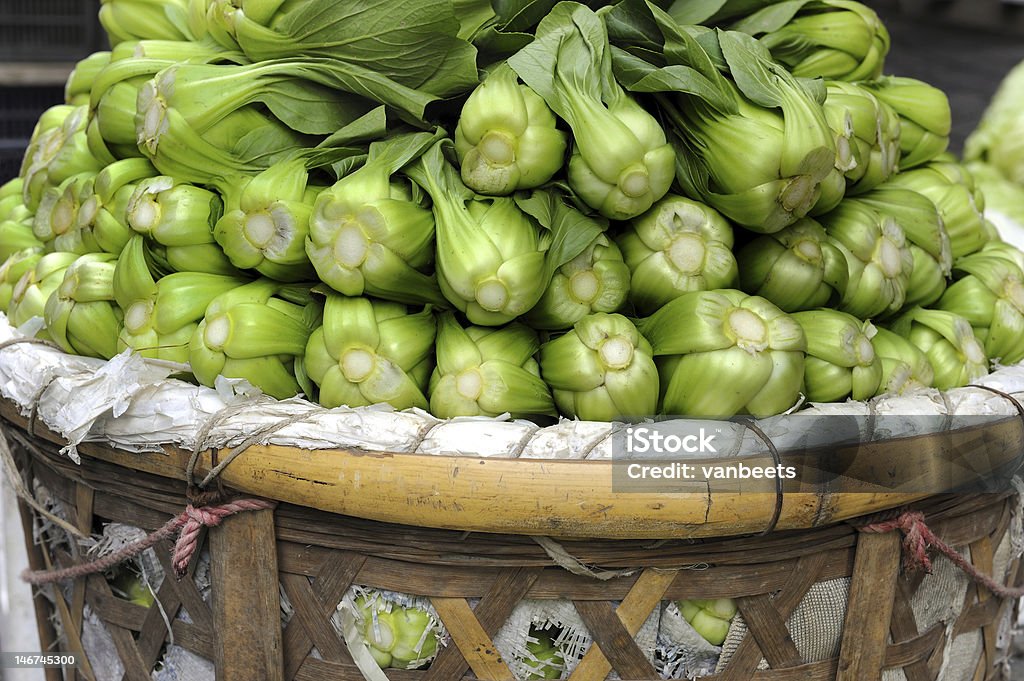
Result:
[
  {"x": 918, "y": 538},
  {"x": 22, "y": 491},
  {"x": 187, "y": 524}
]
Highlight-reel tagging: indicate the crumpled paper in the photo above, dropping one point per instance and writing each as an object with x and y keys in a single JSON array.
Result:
[{"x": 138, "y": 405}]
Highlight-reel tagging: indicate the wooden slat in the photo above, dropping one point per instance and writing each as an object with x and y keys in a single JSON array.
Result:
[
  {"x": 73, "y": 640},
  {"x": 83, "y": 521},
  {"x": 192, "y": 638},
  {"x": 814, "y": 671},
  {"x": 634, "y": 610},
  {"x": 747, "y": 655},
  {"x": 134, "y": 666},
  {"x": 474, "y": 643},
  {"x": 749, "y": 580},
  {"x": 502, "y": 495},
  {"x": 246, "y": 598},
  {"x": 467, "y": 582},
  {"x": 769, "y": 629},
  {"x": 336, "y": 529},
  {"x": 977, "y": 616},
  {"x": 309, "y": 615},
  {"x": 491, "y": 612},
  {"x": 186, "y": 590},
  {"x": 47, "y": 635},
  {"x": 313, "y": 669},
  {"x": 332, "y": 581},
  {"x": 153, "y": 633},
  {"x": 173, "y": 595},
  {"x": 904, "y": 628},
  {"x": 869, "y": 614},
  {"x": 915, "y": 650},
  {"x": 445, "y": 547},
  {"x": 616, "y": 644},
  {"x": 982, "y": 555},
  {"x": 117, "y": 611},
  {"x": 980, "y": 668}
]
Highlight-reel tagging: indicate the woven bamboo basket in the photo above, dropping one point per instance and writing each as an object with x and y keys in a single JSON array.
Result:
[{"x": 462, "y": 533}]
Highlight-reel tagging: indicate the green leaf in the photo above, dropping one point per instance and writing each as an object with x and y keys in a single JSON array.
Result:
[
  {"x": 769, "y": 19},
  {"x": 311, "y": 108},
  {"x": 695, "y": 11},
  {"x": 566, "y": 56},
  {"x": 364, "y": 34},
  {"x": 814, "y": 88},
  {"x": 473, "y": 16},
  {"x": 714, "y": 11},
  {"x": 571, "y": 230},
  {"x": 521, "y": 15},
  {"x": 631, "y": 23},
  {"x": 368, "y": 83},
  {"x": 496, "y": 45},
  {"x": 756, "y": 75},
  {"x": 437, "y": 176},
  {"x": 639, "y": 76},
  {"x": 400, "y": 150},
  {"x": 681, "y": 47},
  {"x": 346, "y": 149}
]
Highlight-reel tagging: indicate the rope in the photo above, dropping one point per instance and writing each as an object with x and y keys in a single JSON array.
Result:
[
  {"x": 917, "y": 539},
  {"x": 189, "y": 522},
  {"x": 258, "y": 437},
  {"x": 567, "y": 561},
  {"x": 23, "y": 493},
  {"x": 32, "y": 341},
  {"x": 1007, "y": 396}
]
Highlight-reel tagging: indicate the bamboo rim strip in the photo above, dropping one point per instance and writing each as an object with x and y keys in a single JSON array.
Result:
[{"x": 565, "y": 498}]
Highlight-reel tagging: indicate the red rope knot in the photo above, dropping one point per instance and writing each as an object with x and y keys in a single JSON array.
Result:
[
  {"x": 190, "y": 522},
  {"x": 917, "y": 538},
  {"x": 195, "y": 519}
]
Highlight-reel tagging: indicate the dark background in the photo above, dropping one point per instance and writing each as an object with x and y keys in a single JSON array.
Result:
[{"x": 963, "y": 47}]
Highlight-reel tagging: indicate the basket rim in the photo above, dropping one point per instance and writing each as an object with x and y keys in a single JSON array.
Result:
[{"x": 559, "y": 498}]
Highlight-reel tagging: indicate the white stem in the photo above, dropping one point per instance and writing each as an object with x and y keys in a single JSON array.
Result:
[
  {"x": 259, "y": 229},
  {"x": 687, "y": 253},
  {"x": 136, "y": 318},
  {"x": 357, "y": 364},
  {"x": 797, "y": 195},
  {"x": 218, "y": 332},
  {"x": 748, "y": 329},
  {"x": 616, "y": 352},
  {"x": 145, "y": 216},
  {"x": 808, "y": 250},
  {"x": 499, "y": 148},
  {"x": 351, "y": 246},
  {"x": 584, "y": 286},
  {"x": 492, "y": 295},
  {"x": 470, "y": 384},
  {"x": 888, "y": 258},
  {"x": 635, "y": 183},
  {"x": 864, "y": 350},
  {"x": 974, "y": 353}
]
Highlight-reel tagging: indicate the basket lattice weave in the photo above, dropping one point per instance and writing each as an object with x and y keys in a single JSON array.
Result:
[{"x": 314, "y": 557}]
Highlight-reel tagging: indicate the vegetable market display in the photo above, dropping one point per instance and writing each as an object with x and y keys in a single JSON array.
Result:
[{"x": 601, "y": 212}]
